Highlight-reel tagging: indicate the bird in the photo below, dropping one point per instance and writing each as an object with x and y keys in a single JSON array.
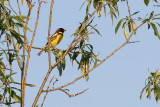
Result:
[{"x": 55, "y": 39}]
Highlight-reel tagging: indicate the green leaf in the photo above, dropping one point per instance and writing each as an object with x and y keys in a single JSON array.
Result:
[
  {"x": 125, "y": 32},
  {"x": 23, "y": 1},
  {"x": 19, "y": 37},
  {"x": 129, "y": 26},
  {"x": 17, "y": 46},
  {"x": 11, "y": 56},
  {"x": 149, "y": 26},
  {"x": 156, "y": 18},
  {"x": 87, "y": 38},
  {"x": 99, "y": 12},
  {"x": 158, "y": 24},
  {"x": 95, "y": 3},
  {"x": 135, "y": 13},
  {"x": 31, "y": 85},
  {"x": 82, "y": 4},
  {"x": 71, "y": 59},
  {"x": 118, "y": 26},
  {"x": 5, "y": 54},
  {"x": 151, "y": 14},
  {"x": 111, "y": 12},
  {"x": 10, "y": 75},
  {"x": 3, "y": 78},
  {"x": 89, "y": 4},
  {"x": 8, "y": 38},
  {"x": 155, "y": 30},
  {"x": 59, "y": 66},
  {"x": 16, "y": 97},
  {"x": 149, "y": 92},
  {"x": 146, "y": 2},
  {"x": 21, "y": 25},
  {"x": 95, "y": 63},
  {"x": 87, "y": 67},
  {"x": 19, "y": 17},
  {"x": 82, "y": 65},
  {"x": 63, "y": 63},
  {"x": 1, "y": 53},
  {"x": 87, "y": 77},
  {"x": 105, "y": 11},
  {"x": 11, "y": 79},
  {"x": 134, "y": 27}
]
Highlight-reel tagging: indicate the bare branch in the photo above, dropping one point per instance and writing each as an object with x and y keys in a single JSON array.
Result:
[
  {"x": 73, "y": 95},
  {"x": 49, "y": 30},
  {"x": 12, "y": 8},
  {"x": 29, "y": 49},
  {"x": 47, "y": 92}
]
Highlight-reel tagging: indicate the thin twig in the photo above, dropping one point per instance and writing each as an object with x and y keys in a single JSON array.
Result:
[
  {"x": 134, "y": 42},
  {"x": 29, "y": 49},
  {"x": 47, "y": 92},
  {"x": 73, "y": 95},
  {"x": 155, "y": 15},
  {"x": 19, "y": 8},
  {"x": 37, "y": 48},
  {"x": 12, "y": 8},
  {"x": 49, "y": 30},
  {"x": 24, "y": 71},
  {"x": 129, "y": 11}
]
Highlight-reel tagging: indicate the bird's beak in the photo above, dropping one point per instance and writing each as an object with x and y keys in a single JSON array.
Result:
[{"x": 64, "y": 30}]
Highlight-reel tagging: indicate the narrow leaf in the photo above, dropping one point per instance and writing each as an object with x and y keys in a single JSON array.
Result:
[
  {"x": 146, "y": 2},
  {"x": 155, "y": 30},
  {"x": 118, "y": 26},
  {"x": 23, "y": 1},
  {"x": 125, "y": 32}
]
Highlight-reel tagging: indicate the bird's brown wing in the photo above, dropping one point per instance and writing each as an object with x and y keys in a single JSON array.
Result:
[{"x": 53, "y": 37}]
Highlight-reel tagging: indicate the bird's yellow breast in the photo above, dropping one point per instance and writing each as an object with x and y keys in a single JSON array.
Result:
[{"x": 57, "y": 40}]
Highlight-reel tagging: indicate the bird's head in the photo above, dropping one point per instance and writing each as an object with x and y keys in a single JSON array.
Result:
[{"x": 61, "y": 30}]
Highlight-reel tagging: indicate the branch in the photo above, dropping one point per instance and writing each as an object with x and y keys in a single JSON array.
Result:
[
  {"x": 129, "y": 10},
  {"x": 97, "y": 64},
  {"x": 47, "y": 91},
  {"x": 155, "y": 15},
  {"x": 29, "y": 49},
  {"x": 12, "y": 8},
  {"x": 19, "y": 8},
  {"x": 48, "y": 73},
  {"x": 134, "y": 42},
  {"x": 24, "y": 72},
  {"x": 49, "y": 30},
  {"x": 73, "y": 95}
]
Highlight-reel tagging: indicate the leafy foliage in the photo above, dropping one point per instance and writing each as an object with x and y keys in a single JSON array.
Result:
[
  {"x": 152, "y": 83},
  {"x": 10, "y": 45},
  {"x": 127, "y": 22},
  {"x": 97, "y": 4},
  {"x": 82, "y": 54},
  {"x": 147, "y": 2},
  {"x": 152, "y": 21}
]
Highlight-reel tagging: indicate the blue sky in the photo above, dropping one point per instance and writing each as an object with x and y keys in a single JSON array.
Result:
[{"x": 118, "y": 81}]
